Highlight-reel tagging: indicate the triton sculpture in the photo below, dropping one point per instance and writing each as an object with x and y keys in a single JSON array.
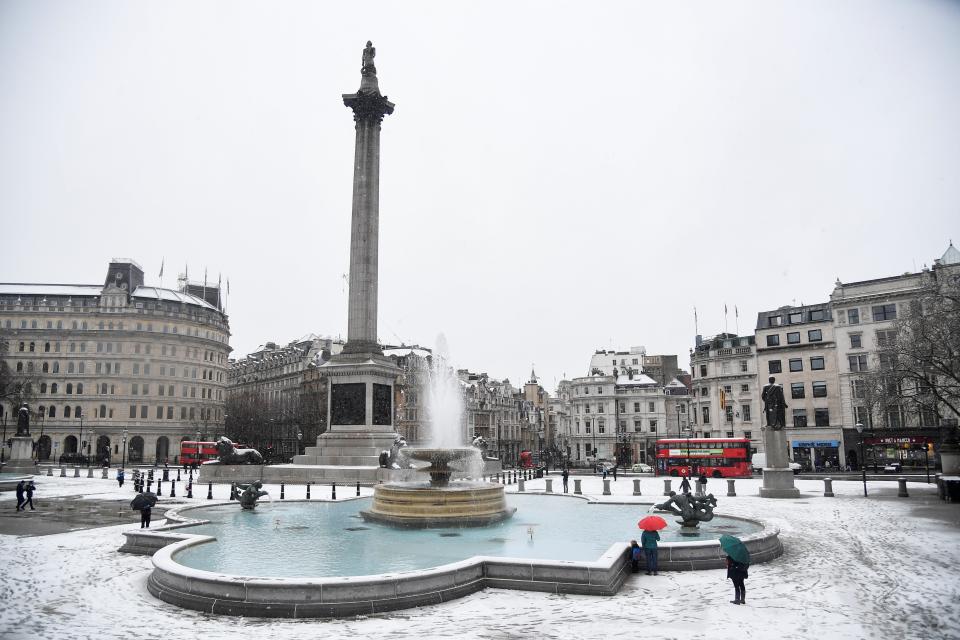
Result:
[{"x": 692, "y": 509}]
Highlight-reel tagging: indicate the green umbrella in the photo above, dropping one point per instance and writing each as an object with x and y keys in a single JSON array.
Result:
[{"x": 735, "y": 548}]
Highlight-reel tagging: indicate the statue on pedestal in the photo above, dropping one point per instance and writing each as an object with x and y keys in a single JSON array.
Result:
[
  {"x": 250, "y": 493},
  {"x": 774, "y": 405},
  {"x": 23, "y": 421},
  {"x": 368, "y": 55}
]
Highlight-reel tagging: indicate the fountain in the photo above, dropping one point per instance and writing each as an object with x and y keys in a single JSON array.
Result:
[{"x": 440, "y": 502}]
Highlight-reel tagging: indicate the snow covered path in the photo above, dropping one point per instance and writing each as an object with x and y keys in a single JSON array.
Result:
[{"x": 883, "y": 567}]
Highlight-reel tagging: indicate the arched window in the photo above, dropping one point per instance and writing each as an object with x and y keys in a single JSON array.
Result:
[
  {"x": 103, "y": 411},
  {"x": 43, "y": 387},
  {"x": 70, "y": 444},
  {"x": 56, "y": 366},
  {"x": 76, "y": 412},
  {"x": 21, "y": 346},
  {"x": 46, "y": 367},
  {"x": 103, "y": 388},
  {"x": 66, "y": 412},
  {"x": 19, "y": 367},
  {"x": 69, "y": 388},
  {"x": 110, "y": 326},
  {"x": 70, "y": 367},
  {"x": 79, "y": 388},
  {"x": 53, "y": 412},
  {"x": 43, "y": 410},
  {"x": 46, "y": 347},
  {"x": 30, "y": 367},
  {"x": 33, "y": 346}
]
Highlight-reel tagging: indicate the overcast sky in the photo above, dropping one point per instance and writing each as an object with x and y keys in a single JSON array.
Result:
[{"x": 557, "y": 177}]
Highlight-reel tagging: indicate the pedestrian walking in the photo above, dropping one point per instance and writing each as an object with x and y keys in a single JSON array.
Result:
[
  {"x": 614, "y": 474},
  {"x": 737, "y": 572},
  {"x": 145, "y": 517},
  {"x": 120, "y": 477},
  {"x": 604, "y": 473},
  {"x": 685, "y": 485},
  {"x": 648, "y": 540},
  {"x": 30, "y": 488},
  {"x": 635, "y": 553},
  {"x": 566, "y": 478},
  {"x": 702, "y": 484},
  {"x": 21, "y": 487}
]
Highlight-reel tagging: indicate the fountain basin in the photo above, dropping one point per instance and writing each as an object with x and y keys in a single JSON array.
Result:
[
  {"x": 231, "y": 575},
  {"x": 459, "y": 504}
]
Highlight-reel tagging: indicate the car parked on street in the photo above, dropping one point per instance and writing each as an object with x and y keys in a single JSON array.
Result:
[{"x": 641, "y": 468}]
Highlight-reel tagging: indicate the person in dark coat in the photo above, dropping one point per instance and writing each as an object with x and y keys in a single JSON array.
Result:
[
  {"x": 145, "y": 517},
  {"x": 21, "y": 486},
  {"x": 702, "y": 484},
  {"x": 566, "y": 478},
  {"x": 614, "y": 474},
  {"x": 635, "y": 554},
  {"x": 648, "y": 540},
  {"x": 30, "y": 488},
  {"x": 685, "y": 485},
  {"x": 738, "y": 573},
  {"x": 120, "y": 477}
]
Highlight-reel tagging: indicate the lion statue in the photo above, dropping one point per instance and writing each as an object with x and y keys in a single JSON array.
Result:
[{"x": 230, "y": 454}]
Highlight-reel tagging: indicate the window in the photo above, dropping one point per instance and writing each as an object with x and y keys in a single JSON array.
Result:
[
  {"x": 817, "y": 363},
  {"x": 745, "y": 412},
  {"x": 143, "y": 411},
  {"x": 601, "y": 426},
  {"x": 103, "y": 411},
  {"x": 748, "y": 435},
  {"x": 799, "y": 417},
  {"x": 69, "y": 388},
  {"x": 797, "y": 390},
  {"x": 821, "y": 417},
  {"x": 159, "y": 413},
  {"x": 586, "y": 407},
  {"x": 53, "y": 412},
  {"x": 745, "y": 388},
  {"x": 856, "y": 341},
  {"x": 703, "y": 370},
  {"x": 884, "y": 312},
  {"x": 819, "y": 389},
  {"x": 774, "y": 321},
  {"x": 636, "y": 407},
  {"x": 773, "y": 340},
  {"x": 857, "y": 389},
  {"x": 183, "y": 413},
  {"x": 774, "y": 366},
  {"x": 796, "y": 317},
  {"x": 853, "y": 316},
  {"x": 134, "y": 389},
  {"x": 66, "y": 412},
  {"x": 796, "y": 364},
  {"x": 818, "y": 315},
  {"x": 599, "y": 389},
  {"x": 169, "y": 413},
  {"x": 79, "y": 388},
  {"x": 886, "y": 338},
  {"x": 653, "y": 425},
  {"x": 862, "y": 416},
  {"x": 858, "y": 363},
  {"x": 743, "y": 366},
  {"x": 136, "y": 369},
  {"x": 133, "y": 411},
  {"x": 815, "y": 335},
  {"x": 793, "y": 337},
  {"x": 706, "y": 415},
  {"x": 638, "y": 425}
]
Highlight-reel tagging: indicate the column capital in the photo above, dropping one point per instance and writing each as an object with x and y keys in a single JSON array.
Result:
[{"x": 368, "y": 106}]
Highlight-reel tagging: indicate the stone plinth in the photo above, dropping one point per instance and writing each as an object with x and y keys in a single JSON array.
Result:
[
  {"x": 21, "y": 456},
  {"x": 419, "y": 505},
  {"x": 778, "y": 477}
]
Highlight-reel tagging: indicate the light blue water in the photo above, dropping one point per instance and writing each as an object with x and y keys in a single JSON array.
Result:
[{"x": 331, "y": 539}]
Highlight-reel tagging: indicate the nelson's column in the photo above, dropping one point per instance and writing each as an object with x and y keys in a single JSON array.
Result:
[{"x": 360, "y": 379}]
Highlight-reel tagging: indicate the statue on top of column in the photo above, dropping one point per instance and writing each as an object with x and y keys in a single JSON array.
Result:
[
  {"x": 774, "y": 405},
  {"x": 368, "y": 54}
]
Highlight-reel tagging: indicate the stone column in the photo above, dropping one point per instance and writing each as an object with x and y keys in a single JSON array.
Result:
[{"x": 636, "y": 486}]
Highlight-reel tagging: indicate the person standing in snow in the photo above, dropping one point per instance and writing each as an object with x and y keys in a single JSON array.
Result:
[
  {"x": 648, "y": 540},
  {"x": 120, "y": 476},
  {"x": 737, "y": 572},
  {"x": 30, "y": 488},
  {"x": 145, "y": 517},
  {"x": 702, "y": 484},
  {"x": 20, "y": 489},
  {"x": 685, "y": 485},
  {"x": 635, "y": 553}
]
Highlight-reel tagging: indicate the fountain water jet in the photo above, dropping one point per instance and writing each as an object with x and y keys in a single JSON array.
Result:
[{"x": 440, "y": 502}]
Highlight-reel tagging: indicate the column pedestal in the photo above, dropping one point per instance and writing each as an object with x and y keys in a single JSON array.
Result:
[
  {"x": 21, "y": 456},
  {"x": 778, "y": 477}
]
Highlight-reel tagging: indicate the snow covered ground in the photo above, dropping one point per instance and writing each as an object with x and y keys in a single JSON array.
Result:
[{"x": 882, "y": 567}]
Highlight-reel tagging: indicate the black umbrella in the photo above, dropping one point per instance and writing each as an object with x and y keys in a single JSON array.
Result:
[{"x": 143, "y": 500}]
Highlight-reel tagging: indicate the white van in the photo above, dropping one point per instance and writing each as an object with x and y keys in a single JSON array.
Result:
[{"x": 759, "y": 461}]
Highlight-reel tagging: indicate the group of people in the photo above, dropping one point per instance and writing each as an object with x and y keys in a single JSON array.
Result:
[
  {"x": 25, "y": 489},
  {"x": 701, "y": 484},
  {"x": 647, "y": 549}
]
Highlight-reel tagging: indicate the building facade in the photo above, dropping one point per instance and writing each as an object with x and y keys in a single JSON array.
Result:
[
  {"x": 118, "y": 370},
  {"x": 796, "y": 346},
  {"x": 724, "y": 395}
]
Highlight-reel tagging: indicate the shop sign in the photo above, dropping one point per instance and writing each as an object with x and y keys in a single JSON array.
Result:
[
  {"x": 816, "y": 443},
  {"x": 901, "y": 440}
]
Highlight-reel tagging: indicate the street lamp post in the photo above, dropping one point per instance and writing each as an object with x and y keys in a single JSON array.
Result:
[
  {"x": 80, "y": 440},
  {"x": 3, "y": 448},
  {"x": 123, "y": 458},
  {"x": 863, "y": 466},
  {"x": 40, "y": 439}
]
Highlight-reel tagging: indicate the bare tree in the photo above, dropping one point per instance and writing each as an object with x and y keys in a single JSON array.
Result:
[
  {"x": 923, "y": 357},
  {"x": 16, "y": 386}
]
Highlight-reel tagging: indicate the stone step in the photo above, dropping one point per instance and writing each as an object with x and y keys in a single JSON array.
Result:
[{"x": 338, "y": 460}]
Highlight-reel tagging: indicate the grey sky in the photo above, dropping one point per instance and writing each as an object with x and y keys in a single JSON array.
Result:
[{"x": 557, "y": 177}]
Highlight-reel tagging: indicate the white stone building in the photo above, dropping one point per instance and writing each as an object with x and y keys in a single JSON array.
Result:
[{"x": 725, "y": 399}]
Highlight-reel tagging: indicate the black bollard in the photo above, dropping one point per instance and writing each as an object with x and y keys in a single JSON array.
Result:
[
  {"x": 159, "y": 486},
  {"x": 178, "y": 474},
  {"x": 189, "y": 489},
  {"x": 149, "y": 484},
  {"x": 282, "y": 497},
  {"x": 173, "y": 488},
  {"x": 358, "y": 488},
  {"x": 334, "y": 493},
  {"x": 210, "y": 491},
  {"x": 233, "y": 490},
  {"x": 308, "y": 491}
]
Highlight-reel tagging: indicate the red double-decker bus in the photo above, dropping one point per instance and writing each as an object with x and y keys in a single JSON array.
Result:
[
  {"x": 717, "y": 457},
  {"x": 193, "y": 452}
]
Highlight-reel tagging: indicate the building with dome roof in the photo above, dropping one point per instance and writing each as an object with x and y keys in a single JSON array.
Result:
[{"x": 104, "y": 362}]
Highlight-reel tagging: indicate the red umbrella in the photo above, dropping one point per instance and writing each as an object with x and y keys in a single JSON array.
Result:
[{"x": 652, "y": 523}]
